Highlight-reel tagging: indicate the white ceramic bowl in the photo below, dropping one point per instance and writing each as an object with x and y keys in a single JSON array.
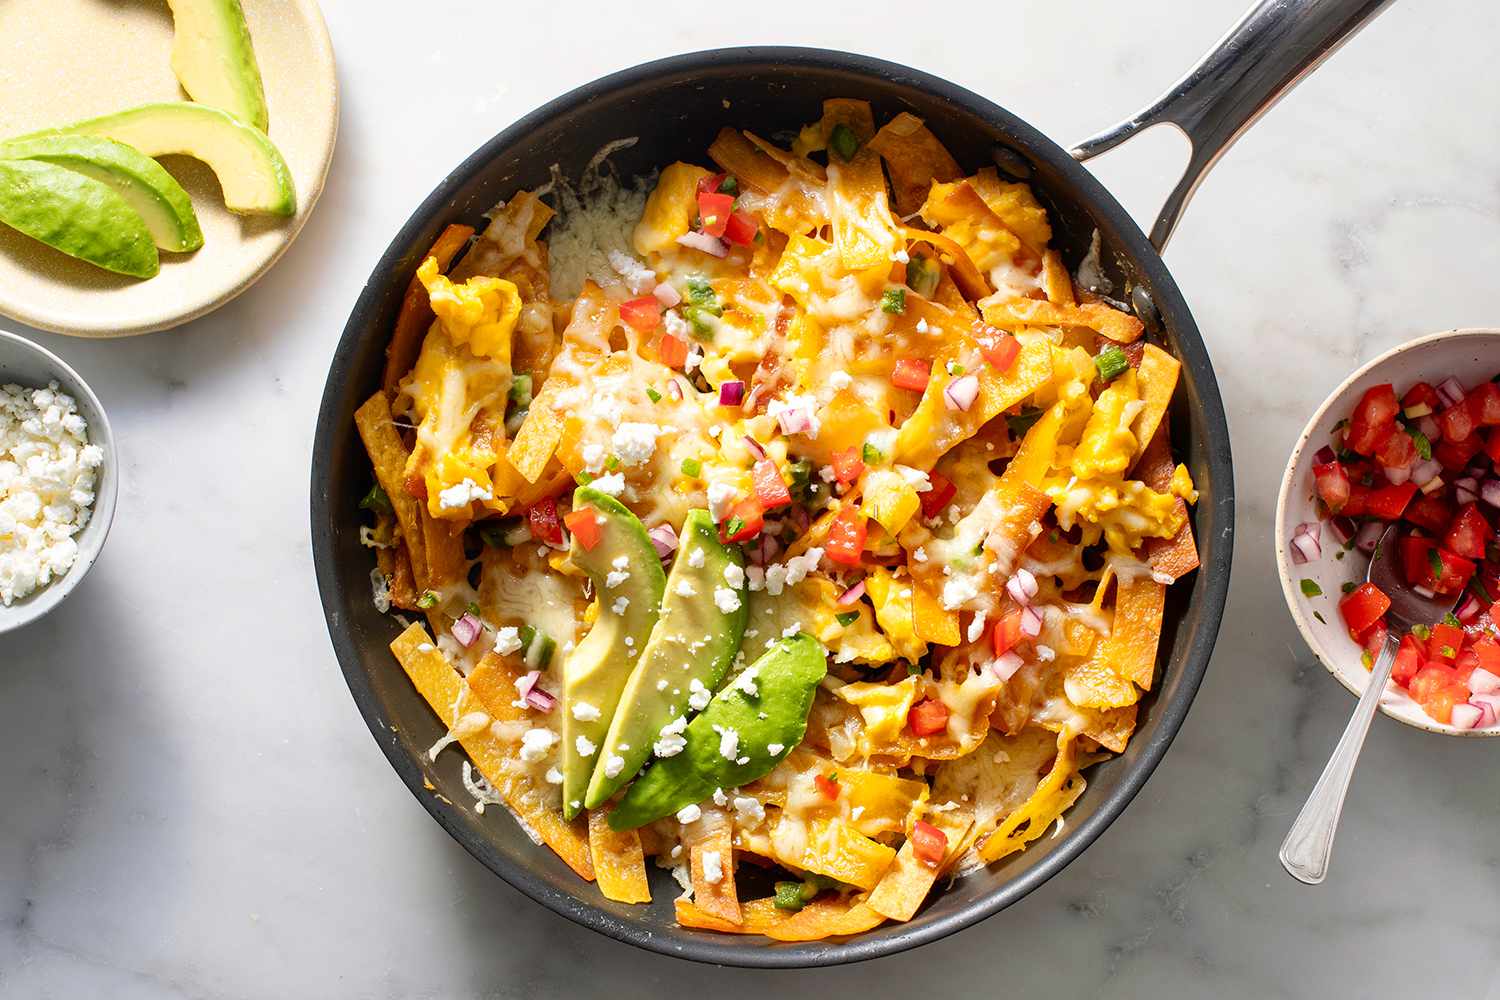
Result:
[
  {"x": 1470, "y": 356},
  {"x": 25, "y": 363}
]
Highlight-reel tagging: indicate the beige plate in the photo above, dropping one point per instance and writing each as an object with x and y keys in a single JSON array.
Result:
[{"x": 69, "y": 59}]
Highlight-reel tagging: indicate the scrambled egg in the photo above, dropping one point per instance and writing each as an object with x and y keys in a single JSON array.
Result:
[
  {"x": 481, "y": 313},
  {"x": 883, "y": 707}
]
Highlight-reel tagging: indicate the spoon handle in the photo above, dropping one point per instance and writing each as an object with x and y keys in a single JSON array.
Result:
[{"x": 1305, "y": 852}]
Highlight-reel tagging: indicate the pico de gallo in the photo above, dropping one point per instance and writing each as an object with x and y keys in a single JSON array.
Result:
[{"x": 1428, "y": 459}]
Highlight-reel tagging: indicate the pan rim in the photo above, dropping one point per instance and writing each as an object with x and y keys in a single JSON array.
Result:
[{"x": 1210, "y": 588}]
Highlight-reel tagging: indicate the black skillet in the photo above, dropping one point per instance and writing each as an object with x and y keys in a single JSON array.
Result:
[{"x": 675, "y": 106}]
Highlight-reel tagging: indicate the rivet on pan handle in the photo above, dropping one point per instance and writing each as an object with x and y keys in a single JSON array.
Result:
[{"x": 1266, "y": 54}]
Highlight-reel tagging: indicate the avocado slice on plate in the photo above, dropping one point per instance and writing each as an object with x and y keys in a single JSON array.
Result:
[
  {"x": 146, "y": 187},
  {"x": 251, "y": 171},
  {"x": 76, "y": 214},
  {"x": 214, "y": 60},
  {"x": 696, "y": 638},
  {"x": 628, "y": 584},
  {"x": 750, "y": 726}
]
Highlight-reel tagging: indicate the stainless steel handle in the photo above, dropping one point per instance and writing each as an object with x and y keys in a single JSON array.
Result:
[
  {"x": 1309, "y": 843},
  {"x": 1266, "y": 54}
]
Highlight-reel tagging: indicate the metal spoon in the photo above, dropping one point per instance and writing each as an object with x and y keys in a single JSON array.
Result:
[{"x": 1308, "y": 845}]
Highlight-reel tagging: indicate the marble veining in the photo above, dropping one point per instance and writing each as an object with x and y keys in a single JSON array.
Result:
[{"x": 194, "y": 808}]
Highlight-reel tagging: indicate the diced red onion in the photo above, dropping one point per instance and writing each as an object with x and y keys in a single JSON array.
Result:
[
  {"x": 1022, "y": 587},
  {"x": 800, "y": 518},
  {"x": 1305, "y": 547},
  {"x": 711, "y": 245},
  {"x": 674, "y": 388},
  {"x": 1490, "y": 491},
  {"x": 533, "y": 695},
  {"x": 1398, "y": 475},
  {"x": 1465, "y": 716},
  {"x": 795, "y": 419},
  {"x": 731, "y": 393},
  {"x": 467, "y": 629},
  {"x": 1489, "y": 710},
  {"x": 1478, "y": 467},
  {"x": 1005, "y": 666},
  {"x": 1031, "y": 622},
  {"x": 768, "y": 548},
  {"x": 851, "y": 596},
  {"x": 663, "y": 539},
  {"x": 1430, "y": 429},
  {"x": 1422, "y": 472},
  {"x": 1468, "y": 609},
  {"x": 667, "y": 295},
  {"x": 1369, "y": 536},
  {"x": 1325, "y": 455},
  {"x": 756, "y": 451},
  {"x": 1451, "y": 391},
  {"x": 1422, "y": 591},
  {"x": 1481, "y": 681},
  {"x": 1343, "y": 529},
  {"x": 961, "y": 392}
]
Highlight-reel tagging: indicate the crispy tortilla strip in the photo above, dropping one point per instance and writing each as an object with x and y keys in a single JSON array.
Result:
[
  {"x": 1156, "y": 380},
  {"x": 827, "y": 916},
  {"x": 834, "y": 848},
  {"x": 452, "y": 698},
  {"x": 444, "y": 544},
  {"x": 970, "y": 281},
  {"x": 1059, "y": 790},
  {"x": 847, "y": 111},
  {"x": 416, "y": 311},
  {"x": 997, "y": 778},
  {"x": 909, "y": 880},
  {"x": 883, "y": 802},
  {"x": 1131, "y": 647},
  {"x": 793, "y": 201},
  {"x": 914, "y": 158},
  {"x": 1056, "y": 281},
  {"x": 1016, "y": 314},
  {"x": 717, "y": 898},
  {"x": 1094, "y": 682},
  {"x": 619, "y": 862},
  {"x": 930, "y": 620},
  {"x": 513, "y": 230},
  {"x": 403, "y": 583},
  {"x": 388, "y": 457},
  {"x": 1175, "y": 557},
  {"x": 537, "y": 439},
  {"x": 1111, "y": 728},
  {"x": 864, "y": 232}
]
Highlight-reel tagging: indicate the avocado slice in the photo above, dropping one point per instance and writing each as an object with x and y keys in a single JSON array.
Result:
[
  {"x": 595, "y": 672},
  {"x": 154, "y": 194},
  {"x": 214, "y": 60},
  {"x": 78, "y": 215},
  {"x": 251, "y": 170},
  {"x": 759, "y": 717},
  {"x": 694, "y": 640}
]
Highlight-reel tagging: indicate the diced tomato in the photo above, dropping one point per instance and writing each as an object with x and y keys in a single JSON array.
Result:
[
  {"x": 912, "y": 373},
  {"x": 751, "y": 517},
  {"x": 770, "y": 489},
  {"x": 1469, "y": 533},
  {"x": 1433, "y": 513},
  {"x": 928, "y": 843},
  {"x": 1398, "y": 452},
  {"x": 714, "y": 210},
  {"x": 1492, "y": 446},
  {"x": 1456, "y": 422},
  {"x": 999, "y": 350},
  {"x": 1418, "y": 556},
  {"x": 711, "y": 183},
  {"x": 1487, "y": 652},
  {"x": 1422, "y": 394},
  {"x": 643, "y": 314},
  {"x": 1362, "y": 607},
  {"x": 1007, "y": 632},
  {"x": 848, "y": 466},
  {"x": 1484, "y": 404},
  {"x": 1359, "y": 500},
  {"x": 928, "y": 716},
  {"x": 542, "y": 518},
  {"x": 1332, "y": 483},
  {"x": 846, "y": 537},
  {"x": 935, "y": 499},
  {"x": 1445, "y": 642},
  {"x": 583, "y": 523},
  {"x": 1373, "y": 638},
  {"x": 1374, "y": 419},
  {"x": 741, "y": 229},
  {"x": 1455, "y": 455},
  {"x": 1389, "y": 502},
  {"x": 673, "y": 351},
  {"x": 828, "y": 786},
  {"x": 1408, "y": 660},
  {"x": 1437, "y": 689}
]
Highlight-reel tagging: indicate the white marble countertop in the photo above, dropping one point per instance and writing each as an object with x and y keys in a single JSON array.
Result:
[{"x": 195, "y": 809}]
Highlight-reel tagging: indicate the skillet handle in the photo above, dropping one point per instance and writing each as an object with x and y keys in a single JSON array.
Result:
[{"x": 1266, "y": 54}]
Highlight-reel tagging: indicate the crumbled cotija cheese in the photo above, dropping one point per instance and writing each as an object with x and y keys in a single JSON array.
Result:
[{"x": 47, "y": 475}]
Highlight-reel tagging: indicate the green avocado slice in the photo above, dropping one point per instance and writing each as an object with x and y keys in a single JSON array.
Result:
[
  {"x": 694, "y": 640},
  {"x": 214, "y": 59},
  {"x": 759, "y": 729},
  {"x": 141, "y": 181},
  {"x": 595, "y": 672},
  {"x": 78, "y": 215},
  {"x": 251, "y": 171}
]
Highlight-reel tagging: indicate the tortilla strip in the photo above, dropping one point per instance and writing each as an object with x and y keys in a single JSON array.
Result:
[
  {"x": 415, "y": 315},
  {"x": 718, "y": 898},
  {"x": 1132, "y": 643},
  {"x": 451, "y": 697},
  {"x": 792, "y": 208},
  {"x": 1059, "y": 790},
  {"x": 836, "y": 849},
  {"x": 827, "y": 916},
  {"x": 973, "y": 284},
  {"x": 863, "y": 230},
  {"x": 402, "y": 581},
  {"x": 388, "y": 457},
  {"x": 444, "y": 544},
  {"x": 1016, "y": 314},
  {"x": 619, "y": 862},
  {"x": 1156, "y": 380},
  {"x": 930, "y": 620},
  {"x": 909, "y": 879},
  {"x": 1111, "y": 728},
  {"x": 914, "y": 158},
  {"x": 1056, "y": 281},
  {"x": 852, "y": 113},
  {"x": 1094, "y": 682},
  {"x": 1170, "y": 558}
]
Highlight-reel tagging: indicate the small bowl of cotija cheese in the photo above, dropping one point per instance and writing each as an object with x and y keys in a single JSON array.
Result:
[{"x": 57, "y": 480}]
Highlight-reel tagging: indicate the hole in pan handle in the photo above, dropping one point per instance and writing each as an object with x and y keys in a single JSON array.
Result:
[{"x": 1266, "y": 54}]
